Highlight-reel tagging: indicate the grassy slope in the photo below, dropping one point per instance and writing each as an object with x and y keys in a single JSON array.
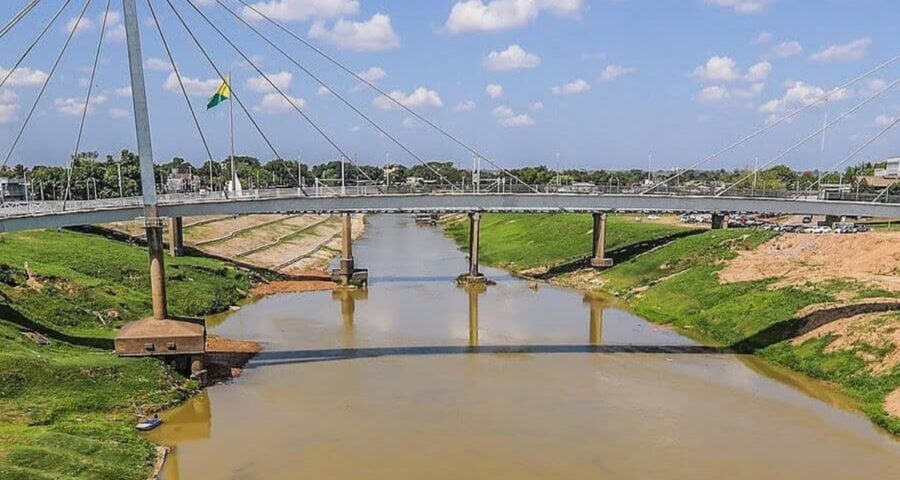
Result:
[
  {"x": 67, "y": 410},
  {"x": 678, "y": 284},
  {"x": 519, "y": 242}
]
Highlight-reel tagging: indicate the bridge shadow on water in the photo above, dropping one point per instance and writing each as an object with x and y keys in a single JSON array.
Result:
[{"x": 266, "y": 359}]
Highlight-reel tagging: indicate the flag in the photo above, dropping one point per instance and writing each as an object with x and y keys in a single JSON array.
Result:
[{"x": 222, "y": 94}]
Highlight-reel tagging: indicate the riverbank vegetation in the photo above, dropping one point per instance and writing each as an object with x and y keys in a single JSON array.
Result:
[
  {"x": 679, "y": 284},
  {"x": 67, "y": 404}
]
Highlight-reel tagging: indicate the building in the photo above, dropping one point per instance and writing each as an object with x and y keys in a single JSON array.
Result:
[
  {"x": 180, "y": 181},
  {"x": 890, "y": 170},
  {"x": 12, "y": 189}
]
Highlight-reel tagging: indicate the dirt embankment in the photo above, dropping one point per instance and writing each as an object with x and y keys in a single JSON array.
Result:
[{"x": 871, "y": 259}]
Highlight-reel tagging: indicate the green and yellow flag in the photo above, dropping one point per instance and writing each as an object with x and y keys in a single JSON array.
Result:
[{"x": 222, "y": 94}]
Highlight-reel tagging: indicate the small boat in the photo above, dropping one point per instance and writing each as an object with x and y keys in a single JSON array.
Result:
[{"x": 149, "y": 424}]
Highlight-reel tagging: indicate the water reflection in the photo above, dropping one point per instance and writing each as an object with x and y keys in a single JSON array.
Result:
[
  {"x": 596, "y": 304},
  {"x": 474, "y": 291},
  {"x": 348, "y": 298}
]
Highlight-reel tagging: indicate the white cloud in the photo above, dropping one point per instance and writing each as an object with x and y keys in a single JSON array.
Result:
[
  {"x": 848, "y": 52},
  {"x": 373, "y": 74},
  {"x": 763, "y": 37},
  {"x": 8, "y": 112},
  {"x": 494, "y": 91},
  {"x": 409, "y": 122},
  {"x": 786, "y": 50},
  {"x": 612, "y": 72},
  {"x": 575, "y": 87},
  {"x": 513, "y": 58},
  {"x": 122, "y": 92},
  {"x": 8, "y": 107},
  {"x": 84, "y": 25},
  {"x": 157, "y": 64},
  {"x": 872, "y": 87},
  {"x": 274, "y": 103},
  {"x": 194, "y": 86},
  {"x": 759, "y": 72},
  {"x": 742, "y": 6},
  {"x": 884, "y": 120},
  {"x": 421, "y": 97},
  {"x": 718, "y": 69},
  {"x": 75, "y": 106},
  {"x": 118, "y": 113},
  {"x": 302, "y": 10},
  {"x": 508, "y": 118},
  {"x": 465, "y": 106},
  {"x": 478, "y": 16},
  {"x": 23, "y": 77},
  {"x": 259, "y": 84},
  {"x": 798, "y": 94},
  {"x": 713, "y": 94},
  {"x": 537, "y": 106},
  {"x": 375, "y": 34},
  {"x": 323, "y": 91}
]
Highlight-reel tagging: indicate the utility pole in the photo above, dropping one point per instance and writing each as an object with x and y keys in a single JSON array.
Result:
[
  {"x": 119, "y": 169},
  {"x": 343, "y": 179},
  {"x": 755, "y": 173},
  {"x": 25, "y": 179}
]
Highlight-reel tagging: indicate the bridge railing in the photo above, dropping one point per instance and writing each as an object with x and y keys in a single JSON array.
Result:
[{"x": 10, "y": 209}]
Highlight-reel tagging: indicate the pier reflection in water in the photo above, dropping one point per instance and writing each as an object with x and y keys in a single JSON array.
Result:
[{"x": 418, "y": 378}]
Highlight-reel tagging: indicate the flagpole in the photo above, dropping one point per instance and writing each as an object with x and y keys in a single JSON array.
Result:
[{"x": 231, "y": 115}]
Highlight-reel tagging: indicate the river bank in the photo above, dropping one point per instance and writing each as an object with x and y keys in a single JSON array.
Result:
[
  {"x": 775, "y": 313},
  {"x": 67, "y": 404}
]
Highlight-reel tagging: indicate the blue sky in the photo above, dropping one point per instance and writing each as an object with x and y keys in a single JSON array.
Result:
[{"x": 603, "y": 83}]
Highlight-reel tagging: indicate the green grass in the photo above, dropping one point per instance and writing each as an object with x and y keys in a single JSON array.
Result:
[
  {"x": 678, "y": 284},
  {"x": 519, "y": 242},
  {"x": 68, "y": 410}
]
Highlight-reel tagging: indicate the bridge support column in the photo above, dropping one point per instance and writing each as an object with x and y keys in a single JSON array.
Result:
[
  {"x": 719, "y": 221},
  {"x": 176, "y": 236},
  {"x": 598, "y": 251},
  {"x": 830, "y": 220},
  {"x": 473, "y": 276},
  {"x": 347, "y": 274},
  {"x": 157, "y": 267}
]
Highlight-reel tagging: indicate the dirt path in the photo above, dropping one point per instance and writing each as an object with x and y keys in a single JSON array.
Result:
[{"x": 795, "y": 259}]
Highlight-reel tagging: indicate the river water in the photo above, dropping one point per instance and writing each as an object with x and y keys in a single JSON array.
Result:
[{"x": 389, "y": 384}]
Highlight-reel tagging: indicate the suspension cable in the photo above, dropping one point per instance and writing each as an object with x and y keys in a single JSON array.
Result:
[
  {"x": 87, "y": 104},
  {"x": 33, "y": 43},
  {"x": 18, "y": 17},
  {"x": 222, "y": 77},
  {"x": 62, "y": 52},
  {"x": 334, "y": 91},
  {"x": 855, "y": 152},
  {"x": 811, "y": 136},
  {"x": 822, "y": 98},
  {"x": 284, "y": 96},
  {"x": 184, "y": 93},
  {"x": 381, "y": 91}
]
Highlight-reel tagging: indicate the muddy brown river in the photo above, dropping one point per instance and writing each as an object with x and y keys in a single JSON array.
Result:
[{"x": 419, "y": 379}]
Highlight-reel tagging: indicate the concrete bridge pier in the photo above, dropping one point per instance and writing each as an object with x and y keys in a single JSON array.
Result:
[
  {"x": 347, "y": 274},
  {"x": 719, "y": 221},
  {"x": 176, "y": 236},
  {"x": 598, "y": 251},
  {"x": 473, "y": 276}
]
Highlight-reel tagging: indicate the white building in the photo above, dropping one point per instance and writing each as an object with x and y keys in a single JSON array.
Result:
[{"x": 891, "y": 169}]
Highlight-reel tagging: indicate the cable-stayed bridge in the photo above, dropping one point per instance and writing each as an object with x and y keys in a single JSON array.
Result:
[{"x": 246, "y": 20}]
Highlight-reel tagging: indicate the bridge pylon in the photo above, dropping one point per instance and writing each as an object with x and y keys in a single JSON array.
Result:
[{"x": 473, "y": 276}]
